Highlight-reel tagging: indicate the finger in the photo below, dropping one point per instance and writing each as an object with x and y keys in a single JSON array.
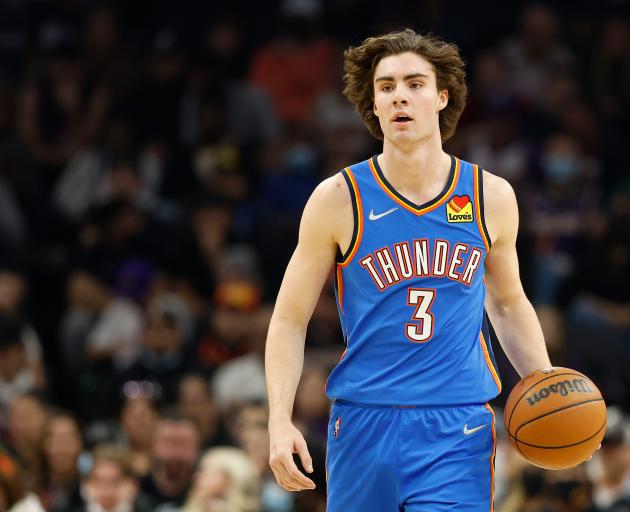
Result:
[
  {"x": 295, "y": 476},
  {"x": 288, "y": 479},
  {"x": 305, "y": 457},
  {"x": 282, "y": 475}
]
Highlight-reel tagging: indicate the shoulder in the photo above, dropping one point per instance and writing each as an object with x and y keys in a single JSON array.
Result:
[
  {"x": 500, "y": 206},
  {"x": 497, "y": 191},
  {"x": 329, "y": 197},
  {"x": 328, "y": 212}
]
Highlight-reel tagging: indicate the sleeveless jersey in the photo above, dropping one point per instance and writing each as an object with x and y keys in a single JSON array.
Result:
[{"x": 410, "y": 293}]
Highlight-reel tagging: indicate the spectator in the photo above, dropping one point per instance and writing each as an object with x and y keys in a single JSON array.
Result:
[
  {"x": 13, "y": 295},
  {"x": 294, "y": 68},
  {"x": 14, "y": 497},
  {"x": 556, "y": 215},
  {"x": 312, "y": 409},
  {"x": 28, "y": 418},
  {"x": 16, "y": 378},
  {"x": 61, "y": 110},
  {"x": 226, "y": 481},
  {"x": 110, "y": 484},
  {"x": 166, "y": 352},
  {"x": 137, "y": 420},
  {"x": 610, "y": 467},
  {"x": 63, "y": 444},
  {"x": 195, "y": 401},
  {"x": 175, "y": 449},
  {"x": 114, "y": 323},
  {"x": 535, "y": 54},
  {"x": 243, "y": 379}
]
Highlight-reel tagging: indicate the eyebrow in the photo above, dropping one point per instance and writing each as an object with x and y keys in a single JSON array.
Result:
[{"x": 406, "y": 77}]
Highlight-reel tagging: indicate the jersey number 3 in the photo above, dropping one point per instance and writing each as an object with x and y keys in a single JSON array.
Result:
[{"x": 420, "y": 330}]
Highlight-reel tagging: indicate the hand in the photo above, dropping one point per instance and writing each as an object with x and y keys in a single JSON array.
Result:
[{"x": 285, "y": 440}]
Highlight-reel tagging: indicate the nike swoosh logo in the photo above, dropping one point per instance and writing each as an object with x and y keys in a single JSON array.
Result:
[
  {"x": 378, "y": 216},
  {"x": 468, "y": 431}
]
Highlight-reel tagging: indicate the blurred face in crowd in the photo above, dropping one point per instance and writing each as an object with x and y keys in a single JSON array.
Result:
[
  {"x": 27, "y": 420},
  {"x": 561, "y": 161},
  {"x": 196, "y": 403},
  {"x": 12, "y": 291},
  {"x": 62, "y": 444},
  {"x": 85, "y": 291},
  {"x": 250, "y": 431},
  {"x": 406, "y": 99},
  {"x": 310, "y": 401},
  {"x": 108, "y": 486},
  {"x": 138, "y": 420},
  {"x": 538, "y": 28},
  {"x": 12, "y": 360},
  {"x": 161, "y": 335},
  {"x": 125, "y": 181},
  {"x": 211, "y": 486},
  {"x": 175, "y": 450}
]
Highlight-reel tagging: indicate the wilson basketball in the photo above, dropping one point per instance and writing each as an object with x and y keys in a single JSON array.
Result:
[{"x": 555, "y": 418}]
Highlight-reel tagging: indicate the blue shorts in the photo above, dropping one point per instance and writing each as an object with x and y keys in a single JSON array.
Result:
[{"x": 412, "y": 459}]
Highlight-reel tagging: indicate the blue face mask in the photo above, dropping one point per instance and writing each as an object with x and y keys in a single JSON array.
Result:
[
  {"x": 300, "y": 159},
  {"x": 560, "y": 169}
]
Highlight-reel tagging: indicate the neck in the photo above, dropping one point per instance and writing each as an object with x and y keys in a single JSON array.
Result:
[{"x": 415, "y": 166}]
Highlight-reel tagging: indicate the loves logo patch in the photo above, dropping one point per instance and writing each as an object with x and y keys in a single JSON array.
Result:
[{"x": 459, "y": 209}]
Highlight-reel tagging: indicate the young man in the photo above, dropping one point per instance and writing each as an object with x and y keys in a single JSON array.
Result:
[{"x": 417, "y": 237}]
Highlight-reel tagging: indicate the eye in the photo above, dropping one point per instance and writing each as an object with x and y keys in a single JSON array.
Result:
[
  {"x": 386, "y": 88},
  {"x": 416, "y": 85}
]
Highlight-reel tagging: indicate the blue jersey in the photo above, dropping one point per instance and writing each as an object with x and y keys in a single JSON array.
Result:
[{"x": 410, "y": 293}]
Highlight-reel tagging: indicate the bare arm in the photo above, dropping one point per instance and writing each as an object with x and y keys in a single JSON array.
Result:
[
  {"x": 510, "y": 312},
  {"x": 326, "y": 215}
]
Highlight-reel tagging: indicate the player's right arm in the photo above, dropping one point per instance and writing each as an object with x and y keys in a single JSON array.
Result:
[{"x": 326, "y": 224}]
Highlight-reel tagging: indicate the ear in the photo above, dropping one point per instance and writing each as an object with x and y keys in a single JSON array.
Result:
[
  {"x": 442, "y": 99},
  {"x": 374, "y": 109}
]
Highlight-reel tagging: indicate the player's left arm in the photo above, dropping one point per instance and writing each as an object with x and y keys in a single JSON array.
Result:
[{"x": 512, "y": 315}]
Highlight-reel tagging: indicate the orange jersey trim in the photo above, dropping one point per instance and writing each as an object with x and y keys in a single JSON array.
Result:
[
  {"x": 340, "y": 287},
  {"x": 494, "y": 452},
  {"x": 418, "y": 211},
  {"x": 354, "y": 244},
  {"x": 486, "y": 355},
  {"x": 478, "y": 205}
]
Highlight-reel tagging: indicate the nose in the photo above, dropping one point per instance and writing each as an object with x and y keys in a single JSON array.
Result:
[{"x": 399, "y": 97}]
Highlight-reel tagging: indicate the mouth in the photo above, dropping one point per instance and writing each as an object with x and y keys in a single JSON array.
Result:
[{"x": 401, "y": 119}]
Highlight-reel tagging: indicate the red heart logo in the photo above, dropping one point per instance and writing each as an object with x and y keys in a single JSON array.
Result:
[{"x": 460, "y": 201}]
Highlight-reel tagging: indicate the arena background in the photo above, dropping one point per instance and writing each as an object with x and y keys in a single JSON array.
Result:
[{"x": 154, "y": 161}]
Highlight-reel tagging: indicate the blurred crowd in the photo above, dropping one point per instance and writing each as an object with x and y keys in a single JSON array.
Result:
[{"x": 154, "y": 161}]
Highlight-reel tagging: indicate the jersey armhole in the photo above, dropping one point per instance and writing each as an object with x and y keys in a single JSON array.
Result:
[
  {"x": 479, "y": 210},
  {"x": 357, "y": 217}
]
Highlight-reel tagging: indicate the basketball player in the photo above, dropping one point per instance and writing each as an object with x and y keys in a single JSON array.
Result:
[{"x": 422, "y": 244}]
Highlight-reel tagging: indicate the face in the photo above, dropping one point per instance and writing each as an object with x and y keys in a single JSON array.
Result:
[
  {"x": 63, "y": 444},
  {"x": 195, "y": 402},
  {"x": 310, "y": 401},
  {"x": 211, "y": 486},
  {"x": 406, "y": 99},
  {"x": 161, "y": 336},
  {"x": 12, "y": 361},
  {"x": 12, "y": 291},
  {"x": 107, "y": 486},
  {"x": 138, "y": 421},
  {"x": 250, "y": 431},
  {"x": 175, "y": 451},
  {"x": 27, "y": 420}
]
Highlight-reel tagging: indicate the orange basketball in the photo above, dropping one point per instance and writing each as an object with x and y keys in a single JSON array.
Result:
[{"x": 555, "y": 418}]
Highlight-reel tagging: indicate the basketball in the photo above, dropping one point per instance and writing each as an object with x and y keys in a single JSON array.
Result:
[{"x": 555, "y": 418}]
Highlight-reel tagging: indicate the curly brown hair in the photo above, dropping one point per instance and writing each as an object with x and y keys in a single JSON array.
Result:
[{"x": 360, "y": 63}]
